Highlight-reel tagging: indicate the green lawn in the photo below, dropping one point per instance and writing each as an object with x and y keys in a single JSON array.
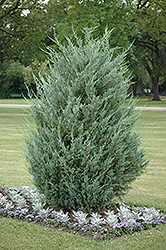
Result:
[
  {"x": 148, "y": 190},
  {"x": 12, "y": 165},
  {"x": 12, "y": 101},
  {"x": 147, "y": 102},
  {"x": 17, "y": 235}
]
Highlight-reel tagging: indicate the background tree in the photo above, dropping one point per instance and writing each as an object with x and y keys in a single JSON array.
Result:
[
  {"x": 35, "y": 69},
  {"x": 11, "y": 79},
  {"x": 26, "y": 27},
  {"x": 140, "y": 21},
  {"x": 66, "y": 15},
  {"x": 150, "y": 41},
  {"x": 23, "y": 27},
  {"x": 140, "y": 77}
]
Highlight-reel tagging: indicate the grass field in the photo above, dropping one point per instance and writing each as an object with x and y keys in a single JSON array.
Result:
[
  {"x": 149, "y": 190},
  {"x": 147, "y": 102},
  {"x": 26, "y": 236},
  {"x": 12, "y": 101},
  {"x": 12, "y": 165}
]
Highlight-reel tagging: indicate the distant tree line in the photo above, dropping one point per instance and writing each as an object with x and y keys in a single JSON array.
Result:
[{"x": 26, "y": 29}]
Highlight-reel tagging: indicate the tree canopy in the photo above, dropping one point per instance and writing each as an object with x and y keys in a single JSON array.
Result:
[
  {"x": 150, "y": 41},
  {"x": 27, "y": 26},
  {"x": 22, "y": 29}
]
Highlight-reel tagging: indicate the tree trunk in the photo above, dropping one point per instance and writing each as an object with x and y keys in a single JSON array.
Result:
[
  {"x": 155, "y": 83},
  {"x": 136, "y": 87},
  {"x": 139, "y": 87}
]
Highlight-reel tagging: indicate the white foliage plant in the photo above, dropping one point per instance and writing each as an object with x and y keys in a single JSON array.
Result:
[
  {"x": 80, "y": 217},
  {"x": 21, "y": 199}
]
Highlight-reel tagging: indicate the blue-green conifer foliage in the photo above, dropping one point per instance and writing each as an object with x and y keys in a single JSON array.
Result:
[{"x": 84, "y": 151}]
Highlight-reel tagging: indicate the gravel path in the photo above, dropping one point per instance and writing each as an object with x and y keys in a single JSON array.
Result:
[
  {"x": 14, "y": 106},
  {"x": 28, "y": 106},
  {"x": 151, "y": 108}
]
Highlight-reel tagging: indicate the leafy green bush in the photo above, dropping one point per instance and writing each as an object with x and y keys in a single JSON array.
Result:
[
  {"x": 11, "y": 78},
  {"x": 84, "y": 151}
]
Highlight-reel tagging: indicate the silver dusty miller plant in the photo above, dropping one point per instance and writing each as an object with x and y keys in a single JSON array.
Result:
[
  {"x": 96, "y": 219},
  {"x": 20, "y": 200},
  {"x": 111, "y": 218},
  {"x": 45, "y": 212},
  {"x": 32, "y": 195},
  {"x": 60, "y": 215},
  {"x": 80, "y": 217},
  {"x": 125, "y": 214},
  {"x": 4, "y": 202},
  {"x": 150, "y": 214},
  {"x": 37, "y": 207},
  {"x": 38, "y": 200},
  {"x": 9, "y": 205}
]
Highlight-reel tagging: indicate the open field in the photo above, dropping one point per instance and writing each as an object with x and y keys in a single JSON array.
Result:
[
  {"x": 147, "y": 102},
  {"x": 149, "y": 190},
  {"x": 12, "y": 101},
  {"x": 12, "y": 165}
]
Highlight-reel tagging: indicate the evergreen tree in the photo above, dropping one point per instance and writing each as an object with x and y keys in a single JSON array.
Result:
[{"x": 84, "y": 151}]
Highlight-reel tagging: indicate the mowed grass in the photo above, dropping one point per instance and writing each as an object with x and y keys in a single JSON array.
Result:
[
  {"x": 12, "y": 164},
  {"x": 149, "y": 190},
  {"x": 16, "y": 235},
  {"x": 12, "y": 101},
  {"x": 146, "y": 101}
]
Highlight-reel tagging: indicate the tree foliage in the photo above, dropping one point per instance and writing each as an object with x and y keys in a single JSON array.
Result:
[
  {"x": 84, "y": 151},
  {"x": 150, "y": 42},
  {"x": 140, "y": 21},
  {"x": 23, "y": 27},
  {"x": 11, "y": 79},
  {"x": 26, "y": 27},
  {"x": 66, "y": 15},
  {"x": 34, "y": 69}
]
